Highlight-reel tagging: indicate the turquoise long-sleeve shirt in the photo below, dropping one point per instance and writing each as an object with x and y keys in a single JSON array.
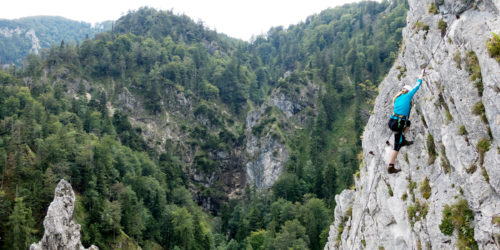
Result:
[{"x": 402, "y": 104}]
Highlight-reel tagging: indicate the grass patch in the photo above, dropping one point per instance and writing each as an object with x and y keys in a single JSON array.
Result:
[
  {"x": 472, "y": 169},
  {"x": 478, "y": 109},
  {"x": 389, "y": 190},
  {"x": 412, "y": 186},
  {"x": 482, "y": 147},
  {"x": 343, "y": 222},
  {"x": 445, "y": 162},
  {"x": 443, "y": 104},
  {"x": 493, "y": 45},
  {"x": 404, "y": 196},
  {"x": 402, "y": 71},
  {"x": 496, "y": 220},
  {"x": 442, "y": 25},
  {"x": 458, "y": 59},
  {"x": 485, "y": 174},
  {"x": 418, "y": 26},
  {"x": 431, "y": 149},
  {"x": 417, "y": 212},
  {"x": 462, "y": 130},
  {"x": 432, "y": 9},
  {"x": 421, "y": 26},
  {"x": 425, "y": 188},
  {"x": 459, "y": 217},
  {"x": 474, "y": 70},
  {"x": 423, "y": 120}
]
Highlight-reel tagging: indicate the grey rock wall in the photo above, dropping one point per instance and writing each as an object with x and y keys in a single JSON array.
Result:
[
  {"x": 60, "y": 230},
  {"x": 377, "y": 212},
  {"x": 267, "y": 153}
]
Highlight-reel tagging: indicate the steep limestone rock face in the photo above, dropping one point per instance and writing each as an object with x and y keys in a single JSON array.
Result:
[
  {"x": 265, "y": 145},
  {"x": 61, "y": 232},
  {"x": 28, "y": 33},
  {"x": 266, "y": 154},
  {"x": 456, "y": 152}
]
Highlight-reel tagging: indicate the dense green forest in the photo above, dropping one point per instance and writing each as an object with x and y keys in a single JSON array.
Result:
[
  {"x": 49, "y": 30},
  {"x": 55, "y": 123}
]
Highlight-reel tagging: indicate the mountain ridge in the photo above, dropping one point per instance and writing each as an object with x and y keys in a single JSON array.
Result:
[
  {"x": 29, "y": 35},
  {"x": 168, "y": 134}
]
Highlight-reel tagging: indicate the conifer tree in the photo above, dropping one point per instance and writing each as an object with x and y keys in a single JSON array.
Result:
[{"x": 21, "y": 227}]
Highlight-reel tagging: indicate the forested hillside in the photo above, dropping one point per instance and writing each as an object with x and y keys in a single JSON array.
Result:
[
  {"x": 23, "y": 36},
  {"x": 150, "y": 123}
]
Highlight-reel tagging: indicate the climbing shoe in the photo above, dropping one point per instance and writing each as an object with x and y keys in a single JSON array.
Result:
[
  {"x": 392, "y": 170},
  {"x": 406, "y": 143}
]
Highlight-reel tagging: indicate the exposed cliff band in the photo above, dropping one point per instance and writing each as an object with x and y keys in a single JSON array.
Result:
[{"x": 447, "y": 194}]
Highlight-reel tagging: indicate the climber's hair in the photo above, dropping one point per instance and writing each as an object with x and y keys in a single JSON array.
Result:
[{"x": 403, "y": 91}]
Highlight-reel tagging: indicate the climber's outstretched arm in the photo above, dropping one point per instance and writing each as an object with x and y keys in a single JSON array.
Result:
[{"x": 417, "y": 84}]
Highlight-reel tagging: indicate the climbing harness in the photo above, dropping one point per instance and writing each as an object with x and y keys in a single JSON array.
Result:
[{"x": 402, "y": 123}]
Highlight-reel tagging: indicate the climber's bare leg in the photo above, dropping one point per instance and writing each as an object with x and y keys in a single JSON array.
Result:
[{"x": 394, "y": 154}]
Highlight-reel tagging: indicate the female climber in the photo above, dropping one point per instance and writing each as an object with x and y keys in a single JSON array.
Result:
[{"x": 399, "y": 121}]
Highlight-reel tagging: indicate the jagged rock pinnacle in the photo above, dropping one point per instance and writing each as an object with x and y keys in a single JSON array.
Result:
[{"x": 61, "y": 231}]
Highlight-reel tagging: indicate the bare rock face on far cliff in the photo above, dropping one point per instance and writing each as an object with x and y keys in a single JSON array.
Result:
[
  {"x": 447, "y": 195},
  {"x": 61, "y": 231}
]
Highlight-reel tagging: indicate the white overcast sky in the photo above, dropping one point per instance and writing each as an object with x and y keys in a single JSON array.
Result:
[{"x": 236, "y": 18}]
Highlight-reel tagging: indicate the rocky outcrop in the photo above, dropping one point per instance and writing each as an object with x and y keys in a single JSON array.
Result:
[
  {"x": 28, "y": 33},
  {"x": 266, "y": 151},
  {"x": 61, "y": 231},
  {"x": 456, "y": 132}
]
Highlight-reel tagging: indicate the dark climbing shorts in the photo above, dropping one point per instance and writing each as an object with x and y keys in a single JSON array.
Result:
[{"x": 398, "y": 126}]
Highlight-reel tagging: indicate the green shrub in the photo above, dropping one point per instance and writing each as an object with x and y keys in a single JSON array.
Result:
[
  {"x": 443, "y": 104},
  {"x": 445, "y": 163},
  {"x": 442, "y": 25},
  {"x": 343, "y": 222},
  {"x": 459, "y": 216},
  {"x": 411, "y": 186},
  {"x": 496, "y": 220},
  {"x": 446, "y": 226},
  {"x": 485, "y": 174},
  {"x": 421, "y": 26},
  {"x": 474, "y": 69},
  {"x": 417, "y": 212},
  {"x": 423, "y": 120},
  {"x": 482, "y": 147},
  {"x": 462, "y": 130},
  {"x": 449, "y": 117},
  {"x": 480, "y": 110},
  {"x": 389, "y": 189},
  {"x": 425, "y": 188},
  {"x": 431, "y": 149},
  {"x": 433, "y": 9},
  {"x": 404, "y": 197},
  {"x": 402, "y": 72},
  {"x": 493, "y": 45}
]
